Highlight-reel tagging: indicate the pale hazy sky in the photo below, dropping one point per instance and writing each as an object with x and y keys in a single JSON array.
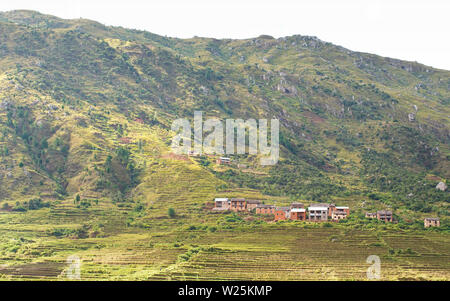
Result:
[{"x": 405, "y": 29}]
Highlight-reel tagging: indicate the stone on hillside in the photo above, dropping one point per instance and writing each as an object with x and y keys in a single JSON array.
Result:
[
  {"x": 441, "y": 186},
  {"x": 411, "y": 117}
]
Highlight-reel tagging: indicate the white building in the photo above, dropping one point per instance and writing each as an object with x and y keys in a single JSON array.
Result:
[
  {"x": 221, "y": 204},
  {"x": 318, "y": 213}
]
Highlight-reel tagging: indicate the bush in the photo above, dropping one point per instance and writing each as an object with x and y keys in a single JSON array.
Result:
[{"x": 171, "y": 212}]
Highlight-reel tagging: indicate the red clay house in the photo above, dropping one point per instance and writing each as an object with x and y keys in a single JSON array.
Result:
[
  {"x": 252, "y": 204},
  {"x": 384, "y": 215},
  {"x": 238, "y": 204},
  {"x": 298, "y": 214},
  {"x": 282, "y": 213},
  {"x": 265, "y": 209}
]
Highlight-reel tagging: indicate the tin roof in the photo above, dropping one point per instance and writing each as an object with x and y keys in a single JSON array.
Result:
[
  {"x": 253, "y": 202},
  {"x": 221, "y": 200},
  {"x": 298, "y": 210}
]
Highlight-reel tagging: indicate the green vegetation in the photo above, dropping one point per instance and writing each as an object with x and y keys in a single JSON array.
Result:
[{"x": 86, "y": 166}]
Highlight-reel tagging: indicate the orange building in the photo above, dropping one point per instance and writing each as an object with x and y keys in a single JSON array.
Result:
[
  {"x": 238, "y": 204},
  {"x": 298, "y": 214},
  {"x": 282, "y": 213},
  {"x": 265, "y": 209},
  {"x": 252, "y": 204}
]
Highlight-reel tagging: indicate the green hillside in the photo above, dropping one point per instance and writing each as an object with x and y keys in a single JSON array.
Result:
[{"x": 86, "y": 166}]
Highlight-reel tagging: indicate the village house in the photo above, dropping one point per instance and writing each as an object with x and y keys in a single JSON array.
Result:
[
  {"x": 371, "y": 215},
  {"x": 338, "y": 215},
  {"x": 282, "y": 213},
  {"x": 238, "y": 204},
  {"x": 223, "y": 160},
  {"x": 318, "y": 214},
  {"x": 221, "y": 204},
  {"x": 265, "y": 209},
  {"x": 431, "y": 222},
  {"x": 384, "y": 215},
  {"x": 298, "y": 214},
  {"x": 342, "y": 209},
  {"x": 330, "y": 207},
  {"x": 252, "y": 204}
]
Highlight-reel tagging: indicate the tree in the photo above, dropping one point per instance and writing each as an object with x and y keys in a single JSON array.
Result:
[{"x": 171, "y": 212}]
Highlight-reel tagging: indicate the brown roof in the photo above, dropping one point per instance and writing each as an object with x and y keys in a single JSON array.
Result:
[
  {"x": 265, "y": 206},
  {"x": 253, "y": 202},
  {"x": 237, "y": 200}
]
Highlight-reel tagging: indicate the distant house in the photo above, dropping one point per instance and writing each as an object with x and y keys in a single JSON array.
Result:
[
  {"x": 252, "y": 204},
  {"x": 282, "y": 213},
  {"x": 330, "y": 207},
  {"x": 371, "y": 215},
  {"x": 297, "y": 205},
  {"x": 265, "y": 209},
  {"x": 298, "y": 214},
  {"x": 223, "y": 160},
  {"x": 342, "y": 209},
  {"x": 384, "y": 215},
  {"x": 238, "y": 204},
  {"x": 431, "y": 222},
  {"x": 338, "y": 215},
  {"x": 221, "y": 204},
  {"x": 318, "y": 213}
]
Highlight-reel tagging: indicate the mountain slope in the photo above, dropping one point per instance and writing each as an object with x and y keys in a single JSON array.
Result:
[{"x": 86, "y": 110}]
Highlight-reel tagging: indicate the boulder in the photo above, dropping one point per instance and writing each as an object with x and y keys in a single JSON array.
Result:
[{"x": 441, "y": 186}]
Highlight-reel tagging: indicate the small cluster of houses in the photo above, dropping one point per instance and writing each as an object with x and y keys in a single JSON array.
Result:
[
  {"x": 386, "y": 216},
  {"x": 296, "y": 211},
  {"x": 320, "y": 212}
]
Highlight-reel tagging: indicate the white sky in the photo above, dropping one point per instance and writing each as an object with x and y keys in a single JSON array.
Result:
[{"x": 406, "y": 29}]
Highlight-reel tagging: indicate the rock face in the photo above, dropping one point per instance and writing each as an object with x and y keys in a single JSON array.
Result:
[{"x": 441, "y": 186}]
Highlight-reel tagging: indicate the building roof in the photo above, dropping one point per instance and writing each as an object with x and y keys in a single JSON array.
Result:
[
  {"x": 432, "y": 219},
  {"x": 265, "y": 206},
  {"x": 342, "y": 207},
  {"x": 283, "y": 208},
  {"x": 253, "y": 202},
  {"x": 298, "y": 210},
  {"x": 221, "y": 200},
  {"x": 237, "y": 200},
  {"x": 224, "y": 158},
  {"x": 317, "y": 208},
  {"x": 385, "y": 212}
]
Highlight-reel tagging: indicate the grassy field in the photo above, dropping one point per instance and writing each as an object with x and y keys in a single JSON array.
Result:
[{"x": 204, "y": 245}]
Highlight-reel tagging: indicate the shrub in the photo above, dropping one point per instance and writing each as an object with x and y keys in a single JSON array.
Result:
[{"x": 171, "y": 212}]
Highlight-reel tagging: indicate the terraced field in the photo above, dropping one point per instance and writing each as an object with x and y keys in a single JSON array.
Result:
[{"x": 258, "y": 252}]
